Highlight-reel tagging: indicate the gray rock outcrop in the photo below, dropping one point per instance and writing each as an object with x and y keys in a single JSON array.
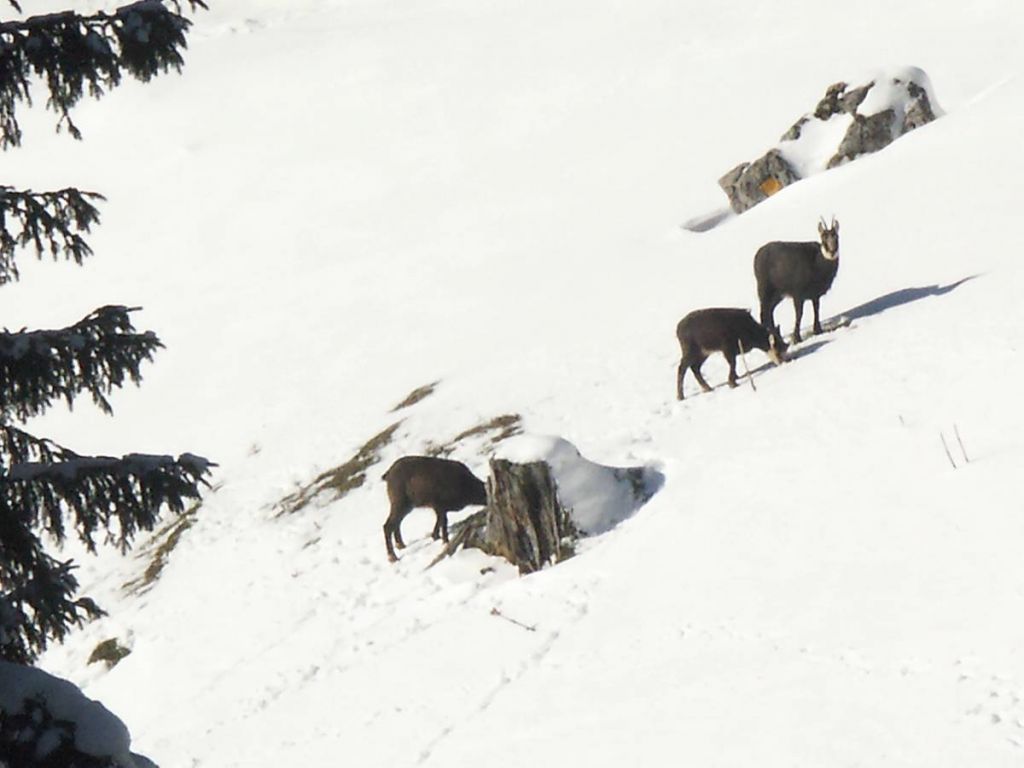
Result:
[{"x": 874, "y": 114}]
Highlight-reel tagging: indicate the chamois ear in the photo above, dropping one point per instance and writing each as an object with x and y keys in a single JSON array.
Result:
[
  {"x": 835, "y": 225},
  {"x": 821, "y": 226}
]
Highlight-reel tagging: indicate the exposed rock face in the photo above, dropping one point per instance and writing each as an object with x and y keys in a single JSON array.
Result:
[
  {"x": 874, "y": 114},
  {"x": 866, "y": 134},
  {"x": 749, "y": 183}
]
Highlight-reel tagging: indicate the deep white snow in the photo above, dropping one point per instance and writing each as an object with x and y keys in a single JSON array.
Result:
[{"x": 340, "y": 201}]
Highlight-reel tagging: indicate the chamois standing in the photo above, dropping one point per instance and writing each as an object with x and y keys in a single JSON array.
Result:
[
  {"x": 729, "y": 331},
  {"x": 801, "y": 271},
  {"x": 426, "y": 481}
]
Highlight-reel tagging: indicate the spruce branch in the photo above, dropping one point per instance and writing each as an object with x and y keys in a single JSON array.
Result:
[
  {"x": 19, "y": 447},
  {"x": 77, "y": 55},
  {"x": 95, "y": 355},
  {"x": 110, "y": 496},
  {"x": 38, "y": 602},
  {"x": 115, "y": 496},
  {"x": 42, "y": 608},
  {"x": 47, "y": 221},
  {"x": 47, "y": 490}
]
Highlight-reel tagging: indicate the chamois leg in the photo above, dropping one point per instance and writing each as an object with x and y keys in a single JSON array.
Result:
[
  {"x": 730, "y": 356},
  {"x": 440, "y": 525},
  {"x": 393, "y": 527},
  {"x": 390, "y": 530},
  {"x": 817, "y": 321},
  {"x": 394, "y": 523},
  {"x": 695, "y": 367},
  {"x": 798, "y": 308},
  {"x": 680, "y": 374},
  {"x": 768, "y": 304}
]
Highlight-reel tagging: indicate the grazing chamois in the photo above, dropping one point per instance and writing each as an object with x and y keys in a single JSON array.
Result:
[
  {"x": 729, "y": 331},
  {"x": 425, "y": 481},
  {"x": 801, "y": 271}
]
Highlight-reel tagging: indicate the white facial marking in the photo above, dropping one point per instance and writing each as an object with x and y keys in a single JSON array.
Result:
[{"x": 827, "y": 254}]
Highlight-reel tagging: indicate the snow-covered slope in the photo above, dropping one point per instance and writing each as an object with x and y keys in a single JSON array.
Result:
[{"x": 341, "y": 201}]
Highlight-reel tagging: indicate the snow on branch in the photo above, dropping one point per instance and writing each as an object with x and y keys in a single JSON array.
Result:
[
  {"x": 47, "y": 221},
  {"x": 76, "y": 54},
  {"x": 109, "y": 496},
  {"x": 96, "y": 354},
  {"x": 116, "y": 496}
]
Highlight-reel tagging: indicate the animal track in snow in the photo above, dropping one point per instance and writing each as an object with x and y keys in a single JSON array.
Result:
[
  {"x": 994, "y": 701},
  {"x": 578, "y": 609}
]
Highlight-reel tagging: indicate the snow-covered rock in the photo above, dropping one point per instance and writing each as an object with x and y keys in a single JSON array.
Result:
[
  {"x": 848, "y": 122},
  {"x": 93, "y": 731}
]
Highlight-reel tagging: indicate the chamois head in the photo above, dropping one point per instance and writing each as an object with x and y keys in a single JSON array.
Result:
[
  {"x": 829, "y": 239},
  {"x": 776, "y": 347}
]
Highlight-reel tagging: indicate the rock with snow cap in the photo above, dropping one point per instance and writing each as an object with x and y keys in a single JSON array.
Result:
[{"x": 848, "y": 122}]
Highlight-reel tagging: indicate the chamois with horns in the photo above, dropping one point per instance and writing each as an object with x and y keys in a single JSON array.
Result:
[{"x": 803, "y": 271}]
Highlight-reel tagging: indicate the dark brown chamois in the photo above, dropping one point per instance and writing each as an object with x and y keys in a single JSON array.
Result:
[
  {"x": 802, "y": 271},
  {"x": 425, "y": 481},
  {"x": 729, "y": 331}
]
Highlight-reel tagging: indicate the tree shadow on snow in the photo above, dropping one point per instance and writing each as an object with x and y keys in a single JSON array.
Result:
[{"x": 899, "y": 298}]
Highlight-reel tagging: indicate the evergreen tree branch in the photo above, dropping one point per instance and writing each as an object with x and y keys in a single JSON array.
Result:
[
  {"x": 95, "y": 355},
  {"x": 36, "y": 590},
  {"x": 19, "y": 447},
  {"x": 48, "y": 221},
  {"x": 76, "y": 55},
  {"x": 38, "y": 602},
  {"x": 114, "y": 497}
]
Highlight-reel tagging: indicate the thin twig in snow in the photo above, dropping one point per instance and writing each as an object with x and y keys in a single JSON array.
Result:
[
  {"x": 743, "y": 357},
  {"x": 496, "y": 612},
  {"x": 962, "y": 450},
  {"x": 949, "y": 456}
]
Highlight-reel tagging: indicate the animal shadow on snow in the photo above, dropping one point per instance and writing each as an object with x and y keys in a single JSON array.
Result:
[
  {"x": 901, "y": 297},
  {"x": 867, "y": 309},
  {"x": 793, "y": 354}
]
